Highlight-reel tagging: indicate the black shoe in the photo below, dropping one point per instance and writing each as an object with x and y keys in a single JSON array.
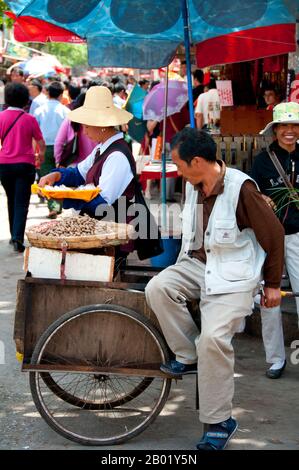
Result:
[
  {"x": 18, "y": 246},
  {"x": 176, "y": 368},
  {"x": 276, "y": 373}
]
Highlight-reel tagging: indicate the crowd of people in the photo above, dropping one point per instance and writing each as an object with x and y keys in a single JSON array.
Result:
[
  {"x": 232, "y": 249},
  {"x": 49, "y": 101},
  {"x": 36, "y": 130}
]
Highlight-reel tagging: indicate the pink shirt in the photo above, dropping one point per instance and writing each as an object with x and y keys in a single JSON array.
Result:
[
  {"x": 17, "y": 146},
  {"x": 66, "y": 134}
]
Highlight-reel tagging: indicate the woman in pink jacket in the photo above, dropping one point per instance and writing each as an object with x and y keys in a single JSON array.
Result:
[
  {"x": 66, "y": 134},
  {"x": 18, "y": 129}
]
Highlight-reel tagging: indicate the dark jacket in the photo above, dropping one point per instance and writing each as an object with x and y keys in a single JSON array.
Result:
[{"x": 269, "y": 181}]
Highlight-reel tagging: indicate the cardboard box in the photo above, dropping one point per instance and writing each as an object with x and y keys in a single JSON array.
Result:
[{"x": 45, "y": 263}]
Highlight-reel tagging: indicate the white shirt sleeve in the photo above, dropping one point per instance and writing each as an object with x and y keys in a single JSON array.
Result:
[
  {"x": 36, "y": 114},
  {"x": 116, "y": 176},
  {"x": 65, "y": 111},
  {"x": 32, "y": 108},
  {"x": 199, "y": 105}
]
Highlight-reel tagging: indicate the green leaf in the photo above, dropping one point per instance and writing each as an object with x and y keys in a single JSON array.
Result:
[
  {"x": 3, "y": 18},
  {"x": 67, "y": 54}
]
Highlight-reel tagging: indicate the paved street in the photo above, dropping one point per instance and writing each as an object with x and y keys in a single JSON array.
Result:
[{"x": 267, "y": 410}]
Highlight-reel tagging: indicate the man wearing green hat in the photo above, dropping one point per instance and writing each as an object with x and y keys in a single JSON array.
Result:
[{"x": 285, "y": 131}]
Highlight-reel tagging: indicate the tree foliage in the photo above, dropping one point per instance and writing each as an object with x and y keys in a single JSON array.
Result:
[
  {"x": 3, "y": 18},
  {"x": 67, "y": 54}
]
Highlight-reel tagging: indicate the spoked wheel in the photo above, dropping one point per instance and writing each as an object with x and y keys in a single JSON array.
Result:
[
  {"x": 97, "y": 394},
  {"x": 68, "y": 393}
]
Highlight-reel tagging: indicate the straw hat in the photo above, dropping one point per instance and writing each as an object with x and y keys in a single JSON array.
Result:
[
  {"x": 98, "y": 110},
  {"x": 283, "y": 113}
]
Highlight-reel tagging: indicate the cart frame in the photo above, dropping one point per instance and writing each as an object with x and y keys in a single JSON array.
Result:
[{"x": 45, "y": 306}]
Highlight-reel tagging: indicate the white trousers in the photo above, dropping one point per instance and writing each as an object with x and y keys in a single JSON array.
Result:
[
  {"x": 221, "y": 316},
  {"x": 271, "y": 317}
]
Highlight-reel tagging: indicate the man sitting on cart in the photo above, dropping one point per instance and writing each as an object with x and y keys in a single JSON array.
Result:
[{"x": 226, "y": 244}]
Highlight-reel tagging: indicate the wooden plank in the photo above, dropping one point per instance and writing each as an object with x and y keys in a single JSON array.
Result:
[
  {"x": 19, "y": 323},
  {"x": 104, "y": 339},
  {"x": 244, "y": 120},
  {"x": 146, "y": 371},
  {"x": 71, "y": 283},
  {"x": 142, "y": 268}
]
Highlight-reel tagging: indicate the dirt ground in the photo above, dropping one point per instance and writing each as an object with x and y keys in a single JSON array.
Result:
[{"x": 267, "y": 410}]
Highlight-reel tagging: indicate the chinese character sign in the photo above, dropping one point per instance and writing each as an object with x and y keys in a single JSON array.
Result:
[
  {"x": 225, "y": 92},
  {"x": 294, "y": 93}
]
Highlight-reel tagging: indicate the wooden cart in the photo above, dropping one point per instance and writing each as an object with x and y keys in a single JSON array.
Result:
[{"x": 93, "y": 352}]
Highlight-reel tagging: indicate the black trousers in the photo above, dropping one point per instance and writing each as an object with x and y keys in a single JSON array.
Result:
[{"x": 16, "y": 179}]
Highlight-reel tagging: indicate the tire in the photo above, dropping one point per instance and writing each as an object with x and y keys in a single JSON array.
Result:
[{"x": 91, "y": 408}]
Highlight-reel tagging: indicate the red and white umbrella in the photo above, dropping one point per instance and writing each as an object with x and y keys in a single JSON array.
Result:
[{"x": 42, "y": 65}]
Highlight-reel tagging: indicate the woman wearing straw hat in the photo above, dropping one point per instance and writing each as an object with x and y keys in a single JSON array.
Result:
[
  {"x": 285, "y": 130},
  {"x": 109, "y": 165}
]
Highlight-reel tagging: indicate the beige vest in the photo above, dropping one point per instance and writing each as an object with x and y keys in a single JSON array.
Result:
[{"x": 234, "y": 258}]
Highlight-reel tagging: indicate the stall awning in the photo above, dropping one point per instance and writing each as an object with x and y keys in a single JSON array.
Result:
[
  {"x": 146, "y": 33},
  {"x": 247, "y": 45}
]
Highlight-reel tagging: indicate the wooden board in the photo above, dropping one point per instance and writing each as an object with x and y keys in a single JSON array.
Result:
[
  {"x": 20, "y": 316},
  {"x": 148, "y": 370},
  {"x": 244, "y": 120}
]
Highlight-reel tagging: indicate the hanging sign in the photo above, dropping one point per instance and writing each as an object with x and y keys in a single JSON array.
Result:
[{"x": 225, "y": 92}]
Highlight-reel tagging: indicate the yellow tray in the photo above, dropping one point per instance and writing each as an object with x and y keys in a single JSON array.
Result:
[{"x": 84, "y": 194}]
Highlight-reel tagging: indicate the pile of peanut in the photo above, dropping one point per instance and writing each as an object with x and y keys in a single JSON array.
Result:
[{"x": 74, "y": 227}]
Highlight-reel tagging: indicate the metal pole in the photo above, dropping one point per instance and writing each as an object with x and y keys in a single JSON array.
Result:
[
  {"x": 185, "y": 16},
  {"x": 163, "y": 181}
]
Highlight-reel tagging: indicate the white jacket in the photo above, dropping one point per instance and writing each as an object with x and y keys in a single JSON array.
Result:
[{"x": 234, "y": 258}]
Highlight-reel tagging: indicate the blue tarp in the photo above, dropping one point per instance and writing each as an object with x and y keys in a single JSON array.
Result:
[{"x": 146, "y": 33}]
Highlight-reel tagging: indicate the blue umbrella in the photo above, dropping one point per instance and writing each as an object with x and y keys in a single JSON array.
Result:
[
  {"x": 135, "y": 101},
  {"x": 146, "y": 33},
  {"x": 137, "y": 125}
]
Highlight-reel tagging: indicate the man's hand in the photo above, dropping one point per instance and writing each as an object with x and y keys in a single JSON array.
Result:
[
  {"x": 271, "y": 297},
  {"x": 49, "y": 179},
  {"x": 270, "y": 202}
]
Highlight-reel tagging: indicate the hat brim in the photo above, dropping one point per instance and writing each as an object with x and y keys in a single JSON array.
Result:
[
  {"x": 107, "y": 117},
  {"x": 269, "y": 127}
]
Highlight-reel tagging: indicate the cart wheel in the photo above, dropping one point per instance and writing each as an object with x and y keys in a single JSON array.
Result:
[
  {"x": 93, "y": 404},
  {"x": 94, "y": 408}
]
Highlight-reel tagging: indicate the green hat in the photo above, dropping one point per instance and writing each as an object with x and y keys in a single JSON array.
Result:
[{"x": 283, "y": 113}]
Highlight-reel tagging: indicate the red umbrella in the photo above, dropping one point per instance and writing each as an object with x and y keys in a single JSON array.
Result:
[{"x": 27, "y": 29}]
